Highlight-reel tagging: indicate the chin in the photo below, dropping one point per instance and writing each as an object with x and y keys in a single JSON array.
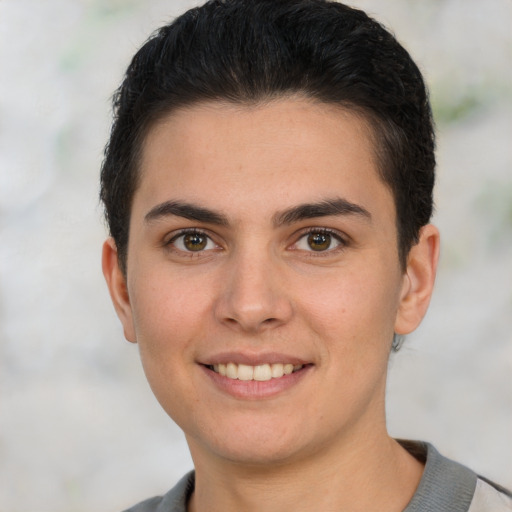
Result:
[
  {"x": 266, "y": 445},
  {"x": 258, "y": 455}
]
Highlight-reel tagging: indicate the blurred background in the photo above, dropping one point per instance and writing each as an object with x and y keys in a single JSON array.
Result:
[{"x": 79, "y": 428}]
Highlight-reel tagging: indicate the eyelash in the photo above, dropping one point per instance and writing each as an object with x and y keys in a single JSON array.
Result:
[
  {"x": 336, "y": 236},
  {"x": 171, "y": 243}
]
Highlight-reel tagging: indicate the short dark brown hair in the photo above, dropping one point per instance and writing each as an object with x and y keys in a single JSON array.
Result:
[{"x": 247, "y": 51}]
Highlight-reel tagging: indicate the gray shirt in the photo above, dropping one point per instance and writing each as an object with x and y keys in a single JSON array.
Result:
[{"x": 446, "y": 486}]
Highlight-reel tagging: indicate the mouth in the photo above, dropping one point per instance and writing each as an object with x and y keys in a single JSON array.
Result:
[{"x": 261, "y": 372}]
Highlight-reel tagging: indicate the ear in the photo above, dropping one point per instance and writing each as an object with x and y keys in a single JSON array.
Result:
[
  {"x": 419, "y": 280},
  {"x": 116, "y": 282}
]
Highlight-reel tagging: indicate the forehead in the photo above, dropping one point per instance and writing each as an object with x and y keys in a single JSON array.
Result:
[{"x": 283, "y": 151}]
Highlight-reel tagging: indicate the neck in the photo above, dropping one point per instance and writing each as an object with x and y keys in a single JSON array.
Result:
[{"x": 375, "y": 475}]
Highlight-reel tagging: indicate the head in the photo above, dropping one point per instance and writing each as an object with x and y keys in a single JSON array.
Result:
[
  {"x": 252, "y": 52},
  {"x": 267, "y": 179}
]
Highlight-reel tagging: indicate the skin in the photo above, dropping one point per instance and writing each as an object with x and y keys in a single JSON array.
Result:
[{"x": 258, "y": 292}]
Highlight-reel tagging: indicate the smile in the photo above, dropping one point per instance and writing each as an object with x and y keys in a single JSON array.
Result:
[{"x": 262, "y": 372}]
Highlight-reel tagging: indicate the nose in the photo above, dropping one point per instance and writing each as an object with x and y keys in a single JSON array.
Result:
[{"x": 253, "y": 296}]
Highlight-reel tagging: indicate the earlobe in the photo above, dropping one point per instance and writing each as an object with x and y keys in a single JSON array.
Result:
[
  {"x": 116, "y": 282},
  {"x": 418, "y": 280}
]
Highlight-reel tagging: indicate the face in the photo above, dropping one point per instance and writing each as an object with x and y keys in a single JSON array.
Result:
[{"x": 263, "y": 282}]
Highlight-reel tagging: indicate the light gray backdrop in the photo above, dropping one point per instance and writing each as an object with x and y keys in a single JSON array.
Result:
[{"x": 79, "y": 428}]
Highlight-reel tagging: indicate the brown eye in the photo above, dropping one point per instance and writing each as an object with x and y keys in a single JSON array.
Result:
[
  {"x": 192, "y": 241},
  {"x": 319, "y": 241},
  {"x": 195, "y": 241}
]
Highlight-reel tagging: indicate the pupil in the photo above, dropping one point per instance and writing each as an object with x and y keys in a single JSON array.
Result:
[
  {"x": 195, "y": 242},
  {"x": 319, "y": 241}
]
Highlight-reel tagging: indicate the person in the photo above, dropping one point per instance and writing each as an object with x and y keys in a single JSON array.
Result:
[{"x": 268, "y": 189}]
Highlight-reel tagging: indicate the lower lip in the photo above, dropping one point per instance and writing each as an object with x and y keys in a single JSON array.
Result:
[{"x": 254, "y": 389}]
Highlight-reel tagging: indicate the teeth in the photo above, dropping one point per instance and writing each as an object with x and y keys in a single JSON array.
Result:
[
  {"x": 262, "y": 372},
  {"x": 245, "y": 372},
  {"x": 288, "y": 368},
  {"x": 277, "y": 371},
  {"x": 232, "y": 371}
]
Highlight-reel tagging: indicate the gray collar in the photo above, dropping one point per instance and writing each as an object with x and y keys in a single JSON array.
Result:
[{"x": 446, "y": 486}]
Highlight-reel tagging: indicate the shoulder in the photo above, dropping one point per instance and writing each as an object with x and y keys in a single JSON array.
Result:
[
  {"x": 447, "y": 486},
  {"x": 174, "y": 501},
  {"x": 489, "y": 497},
  {"x": 149, "y": 505}
]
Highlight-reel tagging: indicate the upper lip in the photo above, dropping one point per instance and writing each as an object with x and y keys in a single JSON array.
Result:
[{"x": 253, "y": 359}]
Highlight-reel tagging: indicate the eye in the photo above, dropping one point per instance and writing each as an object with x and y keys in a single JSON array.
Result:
[
  {"x": 192, "y": 241},
  {"x": 319, "y": 240}
]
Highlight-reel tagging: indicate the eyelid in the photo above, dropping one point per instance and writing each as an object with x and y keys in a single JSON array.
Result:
[
  {"x": 169, "y": 240},
  {"x": 340, "y": 237}
]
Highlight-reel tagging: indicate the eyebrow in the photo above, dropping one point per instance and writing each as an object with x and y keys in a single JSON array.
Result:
[
  {"x": 187, "y": 211},
  {"x": 337, "y": 206}
]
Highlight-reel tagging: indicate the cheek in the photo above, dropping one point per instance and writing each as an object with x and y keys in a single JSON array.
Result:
[
  {"x": 165, "y": 318},
  {"x": 166, "y": 313},
  {"x": 353, "y": 310}
]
